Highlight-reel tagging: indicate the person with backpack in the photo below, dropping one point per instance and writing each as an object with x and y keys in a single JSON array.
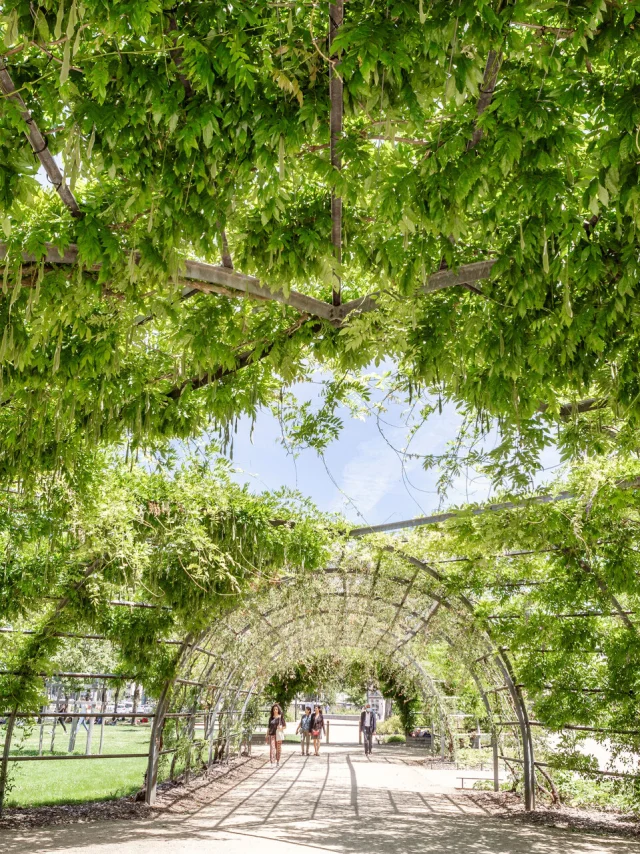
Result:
[
  {"x": 368, "y": 728},
  {"x": 304, "y": 728}
]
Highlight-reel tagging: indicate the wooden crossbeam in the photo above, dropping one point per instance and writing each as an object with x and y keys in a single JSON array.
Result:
[
  {"x": 336, "y": 18},
  {"x": 38, "y": 143},
  {"x": 205, "y": 274},
  {"x": 486, "y": 93},
  {"x": 212, "y": 277},
  {"x": 465, "y": 275}
]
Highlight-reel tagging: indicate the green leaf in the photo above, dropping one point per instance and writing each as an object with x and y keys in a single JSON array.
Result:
[
  {"x": 57, "y": 30},
  {"x": 66, "y": 62},
  {"x": 11, "y": 34},
  {"x": 91, "y": 142},
  {"x": 72, "y": 20},
  {"x": 281, "y": 157}
]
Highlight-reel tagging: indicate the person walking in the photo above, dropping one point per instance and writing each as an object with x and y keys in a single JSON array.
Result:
[
  {"x": 304, "y": 728},
  {"x": 275, "y": 733},
  {"x": 368, "y": 728},
  {"x": 317, "y": 728},
  {"x": 63, "y": 709}
]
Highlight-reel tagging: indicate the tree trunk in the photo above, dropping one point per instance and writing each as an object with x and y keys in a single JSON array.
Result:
[
  {"x": 136, "y": 697},
  {"x": 115, "y": 702}
]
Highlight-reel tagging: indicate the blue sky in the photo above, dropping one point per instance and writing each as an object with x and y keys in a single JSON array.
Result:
[{"x": 361, "y": 476}]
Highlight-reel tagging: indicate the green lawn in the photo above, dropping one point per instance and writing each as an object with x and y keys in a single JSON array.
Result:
[{"x": 75, "y": 781}]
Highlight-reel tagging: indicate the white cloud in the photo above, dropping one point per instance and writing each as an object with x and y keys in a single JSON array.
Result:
[{"x": 368, "y": 476}]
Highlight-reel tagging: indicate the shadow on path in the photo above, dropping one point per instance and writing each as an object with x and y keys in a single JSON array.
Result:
[{"x": 335, "y": 803}]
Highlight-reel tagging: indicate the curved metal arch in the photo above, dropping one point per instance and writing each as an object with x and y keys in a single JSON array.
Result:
[
  {"x": 410, "y": 659},
  {"x": 330, "y": 570},
  {"x": 465, "y": 614},
  {"x": 506, "y": 668},
  {"x": 410, "y": 631}
]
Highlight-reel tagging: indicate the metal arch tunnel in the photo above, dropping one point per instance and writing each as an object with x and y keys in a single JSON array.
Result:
[{"x": 389, "y": 605}]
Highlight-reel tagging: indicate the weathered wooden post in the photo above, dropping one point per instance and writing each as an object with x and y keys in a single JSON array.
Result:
[
  {"x": 74, "y": 727},
  {"x": 212, "y": 726}
]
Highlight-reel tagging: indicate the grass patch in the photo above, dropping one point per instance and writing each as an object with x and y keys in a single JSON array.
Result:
[{"x": 48, "y": 783}]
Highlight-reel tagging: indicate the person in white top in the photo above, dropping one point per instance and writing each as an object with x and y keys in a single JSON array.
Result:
[{"x": 368, "y": 727}]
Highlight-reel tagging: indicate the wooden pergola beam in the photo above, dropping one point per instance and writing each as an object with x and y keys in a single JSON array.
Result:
[
  {"x": 491, "y": 70},
  {"x": 336, "y": 18},
  {"x": 465, "y": 275},
  {"x": 210, "y": 277},
  {"x": 205, "y": 274},
  {"x": 38, "y": 143}
]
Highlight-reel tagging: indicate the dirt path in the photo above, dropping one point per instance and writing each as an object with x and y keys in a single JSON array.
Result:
[{"x": 338, "y": 802}]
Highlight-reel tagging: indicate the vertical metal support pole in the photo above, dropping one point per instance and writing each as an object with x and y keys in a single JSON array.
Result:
[
  {"x": 328, "y": 731},
  {"x": 4, "y": 768},
  {"x": 41, "y": 737},
  {"x": 103, "y": 709},
  {"x": 154, "y": 746},
  {"x": 442, "y": 742},
  {"x": 525, "y": 731},
  {"x": 89, "y": 736},
  {"x": 496, "y": 762}
]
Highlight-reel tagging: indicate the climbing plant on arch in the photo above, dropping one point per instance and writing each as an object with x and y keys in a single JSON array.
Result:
[
  {"x": 205, "y": 591},
  {"x": 454, "y": 187}
]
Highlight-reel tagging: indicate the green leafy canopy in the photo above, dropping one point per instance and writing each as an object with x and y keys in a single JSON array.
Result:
[{"x": 504, "y": 132}]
